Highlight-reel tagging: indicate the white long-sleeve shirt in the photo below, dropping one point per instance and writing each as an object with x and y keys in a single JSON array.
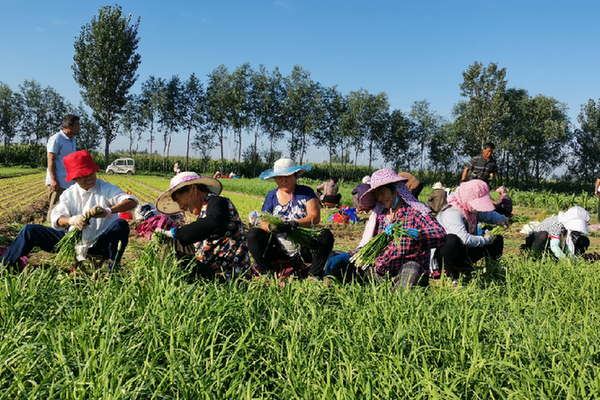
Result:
[
  {"x": 455, "y": 223},
  {"x": 75, "y": 201}
]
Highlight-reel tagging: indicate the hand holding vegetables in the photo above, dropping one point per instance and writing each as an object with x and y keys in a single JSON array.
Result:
[{"x": 78, "y": 221}]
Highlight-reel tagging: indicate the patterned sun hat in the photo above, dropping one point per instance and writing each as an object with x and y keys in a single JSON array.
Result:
[
  {"x": 379, "y": 178},
  {"x": 166, "y": 205}
]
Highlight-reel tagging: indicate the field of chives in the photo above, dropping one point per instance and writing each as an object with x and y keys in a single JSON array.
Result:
[{"x": 518, "y": 329}]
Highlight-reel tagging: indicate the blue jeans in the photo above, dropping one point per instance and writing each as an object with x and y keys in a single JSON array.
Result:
[{"x": 46, "y": 239}]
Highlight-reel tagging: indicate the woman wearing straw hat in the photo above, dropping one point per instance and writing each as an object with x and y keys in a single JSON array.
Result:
[
  {"x": 406, "y": 260},
  {"x": 568, "y": 226},
  {"x": 504, "y": 205},
  {"x": 470, "y": 205},
  {"x": 217, "y": 239},
  {"x": 297, "y": 205}
]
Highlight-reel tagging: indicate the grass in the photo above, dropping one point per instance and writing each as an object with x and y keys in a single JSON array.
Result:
[
  {"x": 530, "y": 332},
  {"x": 521, "y": 329}
]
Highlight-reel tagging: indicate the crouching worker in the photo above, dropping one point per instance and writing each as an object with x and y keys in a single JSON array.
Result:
[
  {"x": 216, "y": 242},
  {"x": 103, "y": 234},
  {"x": 568, "y": 226},
  {"x": 405, "y": 260},
  {"x": 298, "y": 206},
  {"x": 464, "y": 246}
]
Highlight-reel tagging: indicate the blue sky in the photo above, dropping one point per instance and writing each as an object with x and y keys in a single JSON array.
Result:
[{"x": 412, "y": 50}]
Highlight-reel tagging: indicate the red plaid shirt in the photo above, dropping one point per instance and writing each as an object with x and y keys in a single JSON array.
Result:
[{"x": 431, "y": 235}]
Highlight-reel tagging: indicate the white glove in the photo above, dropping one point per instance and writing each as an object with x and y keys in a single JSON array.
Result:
[
  {"x": 167, "y": 233},
  {"x": 505, "y": 223},
  {"x": 93, "y": 212},
  {"x": 78, "y": 221},
  {"x": 490, "y": 238}
]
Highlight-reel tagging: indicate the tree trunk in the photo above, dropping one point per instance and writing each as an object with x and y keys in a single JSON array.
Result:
[{"x": 187, "y": 150}]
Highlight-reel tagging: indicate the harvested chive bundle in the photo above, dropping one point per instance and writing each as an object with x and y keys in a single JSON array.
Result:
[
  {"x": 65, "y": 248},
  {"x": 299, "y": 236},
  {"x": 498, "y": 230},
  {"x": 367, "y": 255}
]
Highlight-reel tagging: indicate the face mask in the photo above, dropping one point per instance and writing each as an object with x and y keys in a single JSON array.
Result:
[{"x": 396, "y": 202}]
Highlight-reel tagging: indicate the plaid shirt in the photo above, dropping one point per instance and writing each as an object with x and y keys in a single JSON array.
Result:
[
  {"x": 480, "y": 168},
  {"x": 431, "y": 235}
]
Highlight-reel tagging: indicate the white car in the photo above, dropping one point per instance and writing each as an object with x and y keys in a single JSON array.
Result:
[{"x": 122, "y": 166}]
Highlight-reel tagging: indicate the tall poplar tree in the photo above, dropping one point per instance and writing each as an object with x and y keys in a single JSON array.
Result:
[{"x": 105, "y": 66}]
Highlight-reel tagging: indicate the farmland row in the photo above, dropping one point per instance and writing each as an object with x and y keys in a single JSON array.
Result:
[
  {"x": 19, "y": 191},
  {"x": 144, "y": 193}
]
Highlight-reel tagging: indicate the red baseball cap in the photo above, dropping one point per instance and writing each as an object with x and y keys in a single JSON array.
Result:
[{"x": 79, "y": 164}]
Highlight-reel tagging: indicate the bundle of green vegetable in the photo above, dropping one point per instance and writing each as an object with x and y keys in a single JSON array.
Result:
[
  {"x": 65, "y": 248},
  {"x": 367, "y": 255},
  {"x": 498, "y": 230},
  {"x": 299, "y": 236}
]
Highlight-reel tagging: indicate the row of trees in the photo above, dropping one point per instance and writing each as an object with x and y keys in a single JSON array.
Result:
[
  {"x": 533, "y": 134},
  {"x": 33, "y": 113}
]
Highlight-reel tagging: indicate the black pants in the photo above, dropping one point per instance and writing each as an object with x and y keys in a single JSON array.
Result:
[
  {"x": 539, "y": 243},
  {"x": 410, "y": 274},
  {"x": 265, "y": 249},
  {"x": 456, "y": 258},
  {"x": 332, "y": 199}
]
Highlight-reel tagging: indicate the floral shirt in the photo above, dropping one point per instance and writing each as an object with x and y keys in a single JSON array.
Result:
[
  {"x": 219, "y": 237},
  {"x": 294, "y": 210}
]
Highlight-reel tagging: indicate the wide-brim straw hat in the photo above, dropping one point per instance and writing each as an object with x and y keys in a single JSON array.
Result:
[
  {"x": 379, "y": 178},
  {"x": 575, "y": 219},
  {"x": 501, "y": 189},
  {"x": 438, "y": 185},
  {"x": 165, "y": 203},
  {"x": 285, "y": 167},
  {"x": 79, "y": 164}
]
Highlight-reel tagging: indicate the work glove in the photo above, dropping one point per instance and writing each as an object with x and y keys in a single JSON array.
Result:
[
  {"x": 286, "y": 228},
  {"x": 95, "y": 212},
  {"x": 168, "y": 233},
  {"x": 505, "y": 223},
  {"x": 336, "y": 263},
  {"x": 490, "y": 238},
  {"x": 78, "y": 221}
]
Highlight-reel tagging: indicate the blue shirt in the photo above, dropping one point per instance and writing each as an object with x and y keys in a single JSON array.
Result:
[
  {"x": 295, "y": 209},
  {"x": 62, "y": 146}
]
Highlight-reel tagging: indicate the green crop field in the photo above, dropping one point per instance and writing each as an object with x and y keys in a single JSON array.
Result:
[{"x": 519, "y": 329}]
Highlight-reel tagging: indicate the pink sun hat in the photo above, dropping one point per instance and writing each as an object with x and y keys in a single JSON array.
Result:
[
  {"x": 165, "y": 203},
  {"x": 476, "y": 193}
]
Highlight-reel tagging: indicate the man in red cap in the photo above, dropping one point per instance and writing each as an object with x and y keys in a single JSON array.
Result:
[{"x": 101, "y": 235}]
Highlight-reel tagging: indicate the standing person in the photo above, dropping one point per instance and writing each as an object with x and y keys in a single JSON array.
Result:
[
  {"x": 60, "y": 145},
  {"x": 597, "y": 194},
  {"x": 483, "y": 166},
  {"x": 297, "y": 205},
  {"x": 105, "y": 234},
  {"x": 217, "y": 239},
  {"x": 405, "y": 260},
  {"x": 329, "y": 191},
  {"x": 176, "y": 168},
  {"x": 568, "y": 226},
  {"x": 412, "y": 183},
  {"x": 470, "y": 205},
  {"x": 358, "y": 191}
]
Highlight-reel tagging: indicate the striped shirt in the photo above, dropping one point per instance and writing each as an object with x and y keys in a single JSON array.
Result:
[{"x": 480, "y": 168}]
